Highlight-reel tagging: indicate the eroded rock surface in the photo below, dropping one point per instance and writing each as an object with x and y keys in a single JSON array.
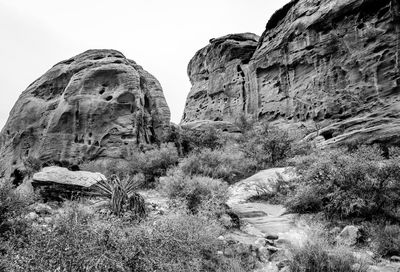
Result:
[
  {"x": 331, "y": 66},
  {"x": 96, "y": 105},
  {"x": 218, "y": 75}
]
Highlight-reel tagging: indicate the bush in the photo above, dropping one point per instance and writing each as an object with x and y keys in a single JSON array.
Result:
[
  {"x": 75, "y": 242},
  {"x": 387, "y": 240},
  {"x": 348, "y": 184},
  {"x": 318, "y": 256},
  {"x": 196, "y": 192},
  {"x": 228, "y": 164},
  {"x": 196, "y": 139},
  {"x": 154, "y": 163},
  {"x": 12, "y": 206},
  {"x": 269, "y": 146}
]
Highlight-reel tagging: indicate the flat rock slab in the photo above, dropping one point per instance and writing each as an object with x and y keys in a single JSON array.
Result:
[
  {"x": 63, "y": 176},
  {"x": 261, "y": 218}
]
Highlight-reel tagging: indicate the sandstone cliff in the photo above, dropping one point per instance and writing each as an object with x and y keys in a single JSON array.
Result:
[
  {"x": 218, "y": 76},
  {"x": 332, "y": 64},
  {"x": 97, "y": 105}
]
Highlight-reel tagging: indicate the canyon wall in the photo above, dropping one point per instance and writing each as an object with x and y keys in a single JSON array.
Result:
[{"x": 328, "y": 66}]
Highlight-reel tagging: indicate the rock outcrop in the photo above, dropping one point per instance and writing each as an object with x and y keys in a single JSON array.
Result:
[
  {"x": 329, "y": 66},
  {"x": 96, "y": 105},
  {"x": 56, "y": 182},
  {"x": 218, "y": 75}
]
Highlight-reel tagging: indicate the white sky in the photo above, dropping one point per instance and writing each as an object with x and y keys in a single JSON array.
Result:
[{"x": 160, "y": 35}]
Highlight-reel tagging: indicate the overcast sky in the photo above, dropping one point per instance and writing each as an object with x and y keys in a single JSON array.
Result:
[{"x": 160, "y": 35}]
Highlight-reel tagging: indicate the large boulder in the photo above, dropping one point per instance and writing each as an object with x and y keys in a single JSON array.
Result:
[
  {"x": 330, "y": 67},
  {"x": 98, "y": 105},
  {"x": 57, "y": 182}
]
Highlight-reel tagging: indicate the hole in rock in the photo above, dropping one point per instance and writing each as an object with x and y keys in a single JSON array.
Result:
[
  {"x": 102, "y": 91},
  {"x": 108, "y": 98},
  {"x": 17, "y": 177},
  {"x": 327, "y": 135},
  {"x": 74, "y": 167}
]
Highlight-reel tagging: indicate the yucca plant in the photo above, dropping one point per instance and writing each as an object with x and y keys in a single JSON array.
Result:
[{"x": 122, "y": 194}]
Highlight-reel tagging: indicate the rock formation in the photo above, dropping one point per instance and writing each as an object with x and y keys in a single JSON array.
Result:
[
  {"x": 218, "y": 75},
  {"x": 330, "y": 66},
  {"x": 57, "y": 182},
  {"x": 96, "y": 105}
]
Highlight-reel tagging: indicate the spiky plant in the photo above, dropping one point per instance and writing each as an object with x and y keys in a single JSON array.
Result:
[{"x": 122, "y": 194}]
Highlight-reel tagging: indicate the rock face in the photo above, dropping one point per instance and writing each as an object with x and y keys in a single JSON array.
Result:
[
  {"x": 97, "y": 105},
  {"x": 326, "y": 65},
  {"x": 218, "y": 75}
]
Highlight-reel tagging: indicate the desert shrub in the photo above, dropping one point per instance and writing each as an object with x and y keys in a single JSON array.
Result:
[
  {"x": 152, "y": 162},
  {"x": 269, "y": 146},
  {"x": 195, "y": 192},
  {"x": 319, "y": 256},
  {"x": 347, "y": 184},
  {"x": 386, "y": 240},
  {"x": 229, "y": 164},
  {"x": 71, "y": 244},
  {"x": 155, "y": 162},
  {"x": 197, "y": 139},
  {"x": 76, "y": 242},
  {"x": 12, "y": 206},
  {"x": 108, "y": 168},
  {"x": 245, "y": 123},
  {"x": 122, "y": 194}
]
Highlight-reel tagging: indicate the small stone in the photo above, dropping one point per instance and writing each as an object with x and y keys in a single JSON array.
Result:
[
  {"x": 272, "y": 249},
  {"x": 220, "y": 253},
  {"x": 226, "y": 221},
  {"x": 260, "y": 242},
  {"x": 32, "y": 216},
  {"x": 349, "y": 236},
  {"x": 395, "y": 259},
  {"x": 272, "y": 237},
  {"x": 221, "y": 238}
]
